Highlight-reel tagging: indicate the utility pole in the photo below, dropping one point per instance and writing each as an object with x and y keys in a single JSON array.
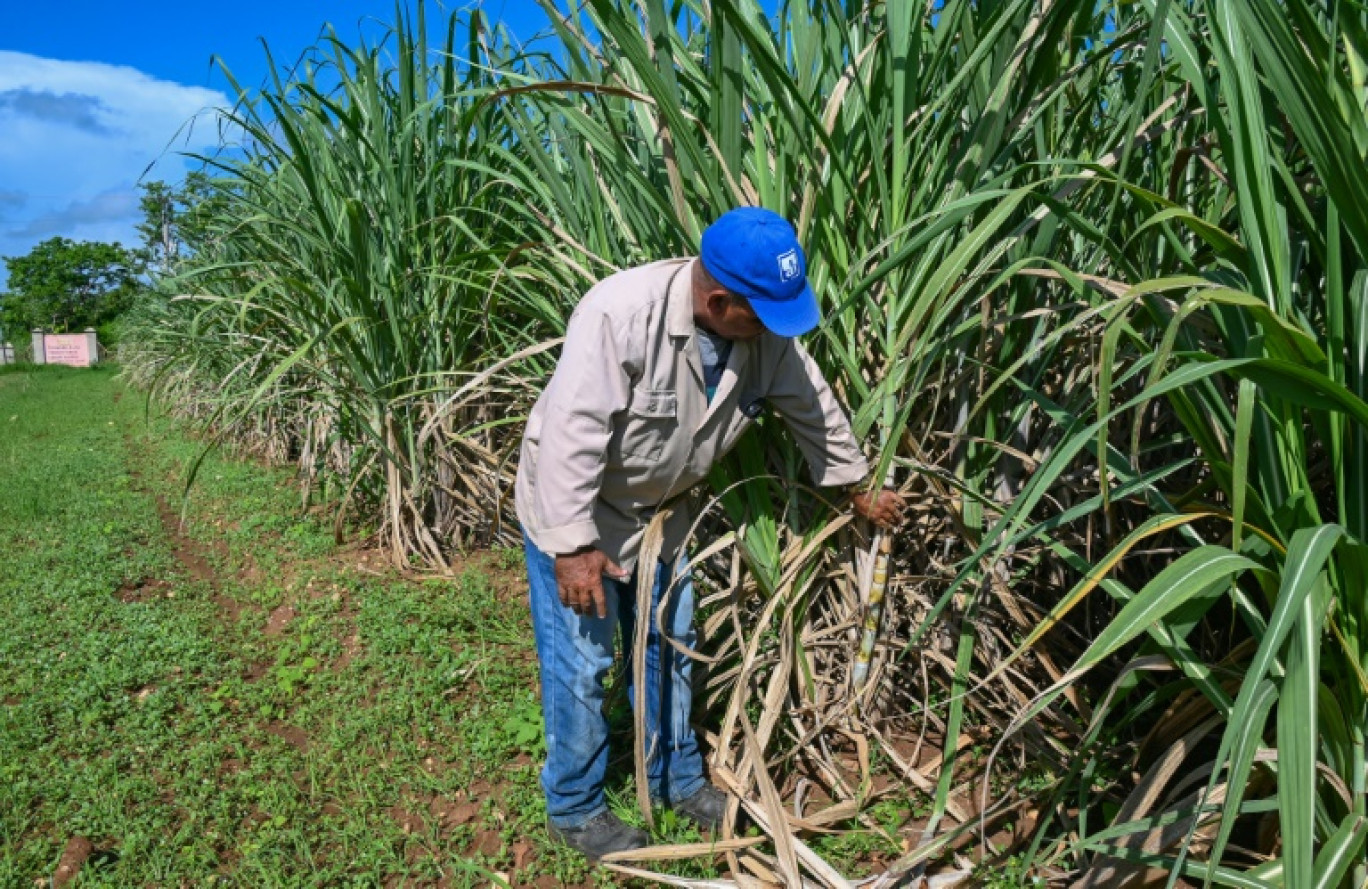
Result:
[{"x": 168, "y": 241}]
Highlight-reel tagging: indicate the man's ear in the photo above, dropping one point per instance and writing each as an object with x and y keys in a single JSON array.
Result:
[{"x": 716, "y": 301}]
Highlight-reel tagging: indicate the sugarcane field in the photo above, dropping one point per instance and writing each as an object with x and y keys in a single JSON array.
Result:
[{"x": 699, "y": 443}]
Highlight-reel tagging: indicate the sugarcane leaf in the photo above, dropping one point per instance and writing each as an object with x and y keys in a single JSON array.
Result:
[
  {"x": 1252, "y": 714},
  {"x": 1298, "y": 736},
  {"x": 1340, "y": 852},
  {"x": 1302, "y": 386},
  {"x": 1302, "y": 572},
  {"x": 1221, "y": 876},
  {"x": 1188, "y": 576},
  {"x": 1149, "y": 528}
]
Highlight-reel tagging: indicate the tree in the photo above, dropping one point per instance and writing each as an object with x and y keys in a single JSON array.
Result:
[
  {"x": 175, "y": 219},
  {"x": 69, "y": 285}
]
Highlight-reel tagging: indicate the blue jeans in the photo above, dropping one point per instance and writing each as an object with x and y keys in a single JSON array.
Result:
[{"x": 576, "y": 653}]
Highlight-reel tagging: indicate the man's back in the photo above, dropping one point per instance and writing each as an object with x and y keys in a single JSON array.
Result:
[{"x": 627, "y": 418}]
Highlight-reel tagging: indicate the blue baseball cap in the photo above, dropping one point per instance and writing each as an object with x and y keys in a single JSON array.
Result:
[{"x": 754, "y": 252}]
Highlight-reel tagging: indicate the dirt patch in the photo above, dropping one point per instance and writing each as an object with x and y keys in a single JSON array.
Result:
[
  {"x": 452, "y": 813},
  {"x": 408, "y": 822},
  {"x": 293, "y": 735},
  {"x": 144, "y": 589},
  {"x": 487, "y": 843},
  {"x": 77, "y": 850},
  {"x": 251, "y": 573},
  {"x": 279, "y": 620},
  {"x": 522, "y": 853},
  {"x": 351, "y": 647},
  {"x": 254, "y": 819},
  {"x": 11, "y": 701},
  {"x": 188, "y": 552},
  {"x": 192, "y": 555}
]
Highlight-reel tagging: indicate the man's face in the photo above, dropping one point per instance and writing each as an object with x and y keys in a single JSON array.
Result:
[{"x": 731, "y": 318}]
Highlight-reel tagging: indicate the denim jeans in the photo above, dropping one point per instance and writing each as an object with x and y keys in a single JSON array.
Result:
[{"x": 576, "y": 653}]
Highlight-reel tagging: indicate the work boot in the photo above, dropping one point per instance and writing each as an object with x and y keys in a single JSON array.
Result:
[
  {"x": 706, "y": 807},
  {"x": 600, "y": 835}
]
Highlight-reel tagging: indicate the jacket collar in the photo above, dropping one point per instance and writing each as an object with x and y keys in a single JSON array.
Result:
[
  {"x": 679, "y": 321},
  {"x": 679, "y": 302}
]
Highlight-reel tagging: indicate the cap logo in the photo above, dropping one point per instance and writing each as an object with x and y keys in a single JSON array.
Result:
[{"x": 788, "y": 265}]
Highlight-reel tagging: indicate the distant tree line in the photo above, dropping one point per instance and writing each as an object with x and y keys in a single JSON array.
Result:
[{"x": 62, "y": 285}]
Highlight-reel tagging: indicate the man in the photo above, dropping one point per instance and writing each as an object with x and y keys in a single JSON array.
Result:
[{"x": 664, "y": 368}]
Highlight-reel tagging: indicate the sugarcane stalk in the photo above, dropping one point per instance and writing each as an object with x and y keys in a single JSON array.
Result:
[{"x": 880, "y": 548}]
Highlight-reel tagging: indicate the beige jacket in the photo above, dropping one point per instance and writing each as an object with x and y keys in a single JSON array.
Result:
[{"x": 625, "y": 423}]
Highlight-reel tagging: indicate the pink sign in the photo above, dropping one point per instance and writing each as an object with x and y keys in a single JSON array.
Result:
[{"x": 67, "y": 348}]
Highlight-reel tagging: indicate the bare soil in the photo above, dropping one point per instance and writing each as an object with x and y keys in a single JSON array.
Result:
[{"x": 78, "y": 850}]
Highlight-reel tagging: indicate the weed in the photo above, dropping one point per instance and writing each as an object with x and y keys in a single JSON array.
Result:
[{"x": 1015, "y": 874}]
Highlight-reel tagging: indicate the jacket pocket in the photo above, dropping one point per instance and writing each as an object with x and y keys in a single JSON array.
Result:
[{"x": 652, "y": 417}]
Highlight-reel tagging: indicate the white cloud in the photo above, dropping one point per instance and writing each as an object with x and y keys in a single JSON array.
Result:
[{"x": 75, "y": 139}]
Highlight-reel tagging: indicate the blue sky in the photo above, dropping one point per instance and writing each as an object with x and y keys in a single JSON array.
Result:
[{"x": 96, "y": 96}]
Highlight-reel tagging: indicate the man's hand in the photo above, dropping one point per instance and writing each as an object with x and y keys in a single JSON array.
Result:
[
  {"x": 884, "y": 508},
  {"x": 579, "y": 580}
]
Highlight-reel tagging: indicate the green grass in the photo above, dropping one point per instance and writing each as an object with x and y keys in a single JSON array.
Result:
[{"x": 243, "y": 701}]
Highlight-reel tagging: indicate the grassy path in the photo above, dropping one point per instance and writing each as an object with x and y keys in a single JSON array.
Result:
[{"x": 241, "y": 702}]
